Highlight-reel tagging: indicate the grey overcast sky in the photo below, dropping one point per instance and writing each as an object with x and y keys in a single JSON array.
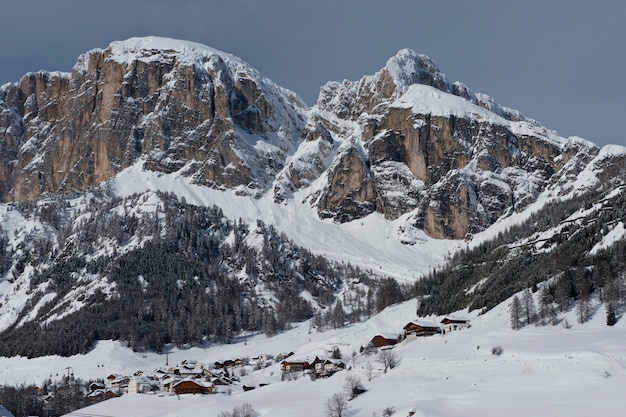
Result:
[{"x": 561, "y": 62}]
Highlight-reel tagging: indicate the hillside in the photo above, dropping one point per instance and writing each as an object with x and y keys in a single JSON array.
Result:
[
  {"x": 166, "y": 195},
  {"x": 559, "y": 368}
]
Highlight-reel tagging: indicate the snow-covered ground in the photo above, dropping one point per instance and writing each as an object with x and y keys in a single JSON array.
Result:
[
  {"x": 371, "y": 243},
  {"x": 552, "y": 370}
]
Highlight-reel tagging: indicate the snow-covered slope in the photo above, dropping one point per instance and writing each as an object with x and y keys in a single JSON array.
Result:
[
  {"x": 579, "y": 370},
  {"x": 394, "y": 173}
]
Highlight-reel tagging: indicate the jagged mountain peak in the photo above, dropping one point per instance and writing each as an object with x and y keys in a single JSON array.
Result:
[
  {"x": 179, "y": 106},
  {"x": 407, "y": 68},
  {"x": 456, "y": 160},
  {"x": 410, "y": 156},
  {"x": 141, "y": 47}
]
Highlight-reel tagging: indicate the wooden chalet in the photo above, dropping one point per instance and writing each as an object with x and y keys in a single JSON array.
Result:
[
  {"x": 420, "y": 329},
  {"x": 101, "y": 395},
  {"x": 187, "y": 371},
  {"x": 294, "y": 366},
  {"x": 191, "y": 386},
  {"x": 454, "y": 323},
  {"x": 94, "y": 386},
  {"x": 117, "y": 381},
  {"x": 386, "y": 339}
]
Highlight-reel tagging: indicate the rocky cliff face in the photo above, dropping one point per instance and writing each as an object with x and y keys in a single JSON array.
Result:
[
  {"x": 178, "y": 106},
  {"x": 401, "y": 142},
  {"x": 413, "y": 144}
]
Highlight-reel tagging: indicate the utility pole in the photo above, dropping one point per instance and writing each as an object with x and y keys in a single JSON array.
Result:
[{"x": 69, "y": 391}]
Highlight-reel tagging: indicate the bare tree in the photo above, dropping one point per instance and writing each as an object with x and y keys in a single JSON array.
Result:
[
  {"x": 243, "y": 410},
  {"x": 388, "y": 412},
  {"x": 353, "y": 386},
  {"x": 388, "y": 359},
  {"x": 337, "y": 406},
  {"x": 369, "y": 368}
]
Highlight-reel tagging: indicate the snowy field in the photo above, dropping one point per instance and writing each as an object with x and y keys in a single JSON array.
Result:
[{"x": 553, "y": 370}]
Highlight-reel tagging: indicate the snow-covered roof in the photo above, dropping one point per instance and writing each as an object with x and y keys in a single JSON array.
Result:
[
  {"x": 455, "y": 319},
  {"x": 426, "y": 323},
  {"x": 387, "y": 335}
]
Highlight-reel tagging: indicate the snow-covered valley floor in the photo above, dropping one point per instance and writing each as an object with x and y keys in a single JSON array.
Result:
[{"x": 552, "y": 370}]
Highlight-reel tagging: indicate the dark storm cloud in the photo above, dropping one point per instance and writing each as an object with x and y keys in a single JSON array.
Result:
[{"x": 560, "y": 62}]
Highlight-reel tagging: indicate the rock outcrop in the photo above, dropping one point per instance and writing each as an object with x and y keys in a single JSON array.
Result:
[
  {"x": 177, "y": 105},
  {"x": 401, "y": 142},
  {"x": 453, "y": 160}
]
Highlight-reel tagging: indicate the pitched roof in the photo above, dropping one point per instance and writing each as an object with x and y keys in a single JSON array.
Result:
[
  {"x": 452, "y": 319},
  {"x": 4, "y": 412}
]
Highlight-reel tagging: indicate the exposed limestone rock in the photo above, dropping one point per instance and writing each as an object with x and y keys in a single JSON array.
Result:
[
  {"x": 350, "y": 193},
  {"x": 460, "y": 172},
  {"x": 366, "y": 146},
  {"x": 63, "y": 132}
]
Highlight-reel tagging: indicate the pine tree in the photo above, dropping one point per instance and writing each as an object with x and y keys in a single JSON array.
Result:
[
  {"x": 611, "y": 317},
  {"x": 528, "y": 307},
  {"x": 583, "y": 308},
  {"x": 516, "y": 313}
]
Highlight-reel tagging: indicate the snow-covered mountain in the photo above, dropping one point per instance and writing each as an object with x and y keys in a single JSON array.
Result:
[
  {"x": 165, "y": 165},
  {"x": 403, "y": 141}
]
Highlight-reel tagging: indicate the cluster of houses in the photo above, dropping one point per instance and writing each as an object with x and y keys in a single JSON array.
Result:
[
  {"x": 190, "y": 377},
  {"x": 326, "y": 367},
  {"x": 420, "y": 329}
]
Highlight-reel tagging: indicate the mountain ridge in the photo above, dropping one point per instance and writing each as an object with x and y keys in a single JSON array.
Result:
[{"x": 392, "y": 175}]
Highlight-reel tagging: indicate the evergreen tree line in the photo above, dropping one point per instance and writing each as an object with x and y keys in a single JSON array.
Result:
[
  {"x": 50, "y": 399},
  {"x": 519, "y": 258},
  {"x": 194, "y": 279}
]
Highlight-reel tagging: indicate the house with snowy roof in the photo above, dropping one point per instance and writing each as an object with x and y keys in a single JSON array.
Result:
[
  {"x": 191, "y": 386},
  {"x": 102, "y": 394},
  {"x": 420, "y": 329},
  {"x": 451, "y": 323},
  {"x": 117, "y": 381},
  {"x": 294, "y": 366},
  {"x": 384, "y": 339},
  {"x": 141, "y": 384}
]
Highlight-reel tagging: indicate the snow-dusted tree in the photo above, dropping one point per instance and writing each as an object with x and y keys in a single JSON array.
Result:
[
  {"x": 516, "y": 313},
  {"x": 336, "y": 353},
  {"x": 583, "y": 308},
  {"x": 388, "y": 359},
  {"x": 528, "y": 307},
  {"x": 547, "y": 309},
  {"x": 612, "y": 294},
  {"x": 611, "y": 316},
  {"x": 339, "y": 315},
  {"x": 337, "y": 406}
]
